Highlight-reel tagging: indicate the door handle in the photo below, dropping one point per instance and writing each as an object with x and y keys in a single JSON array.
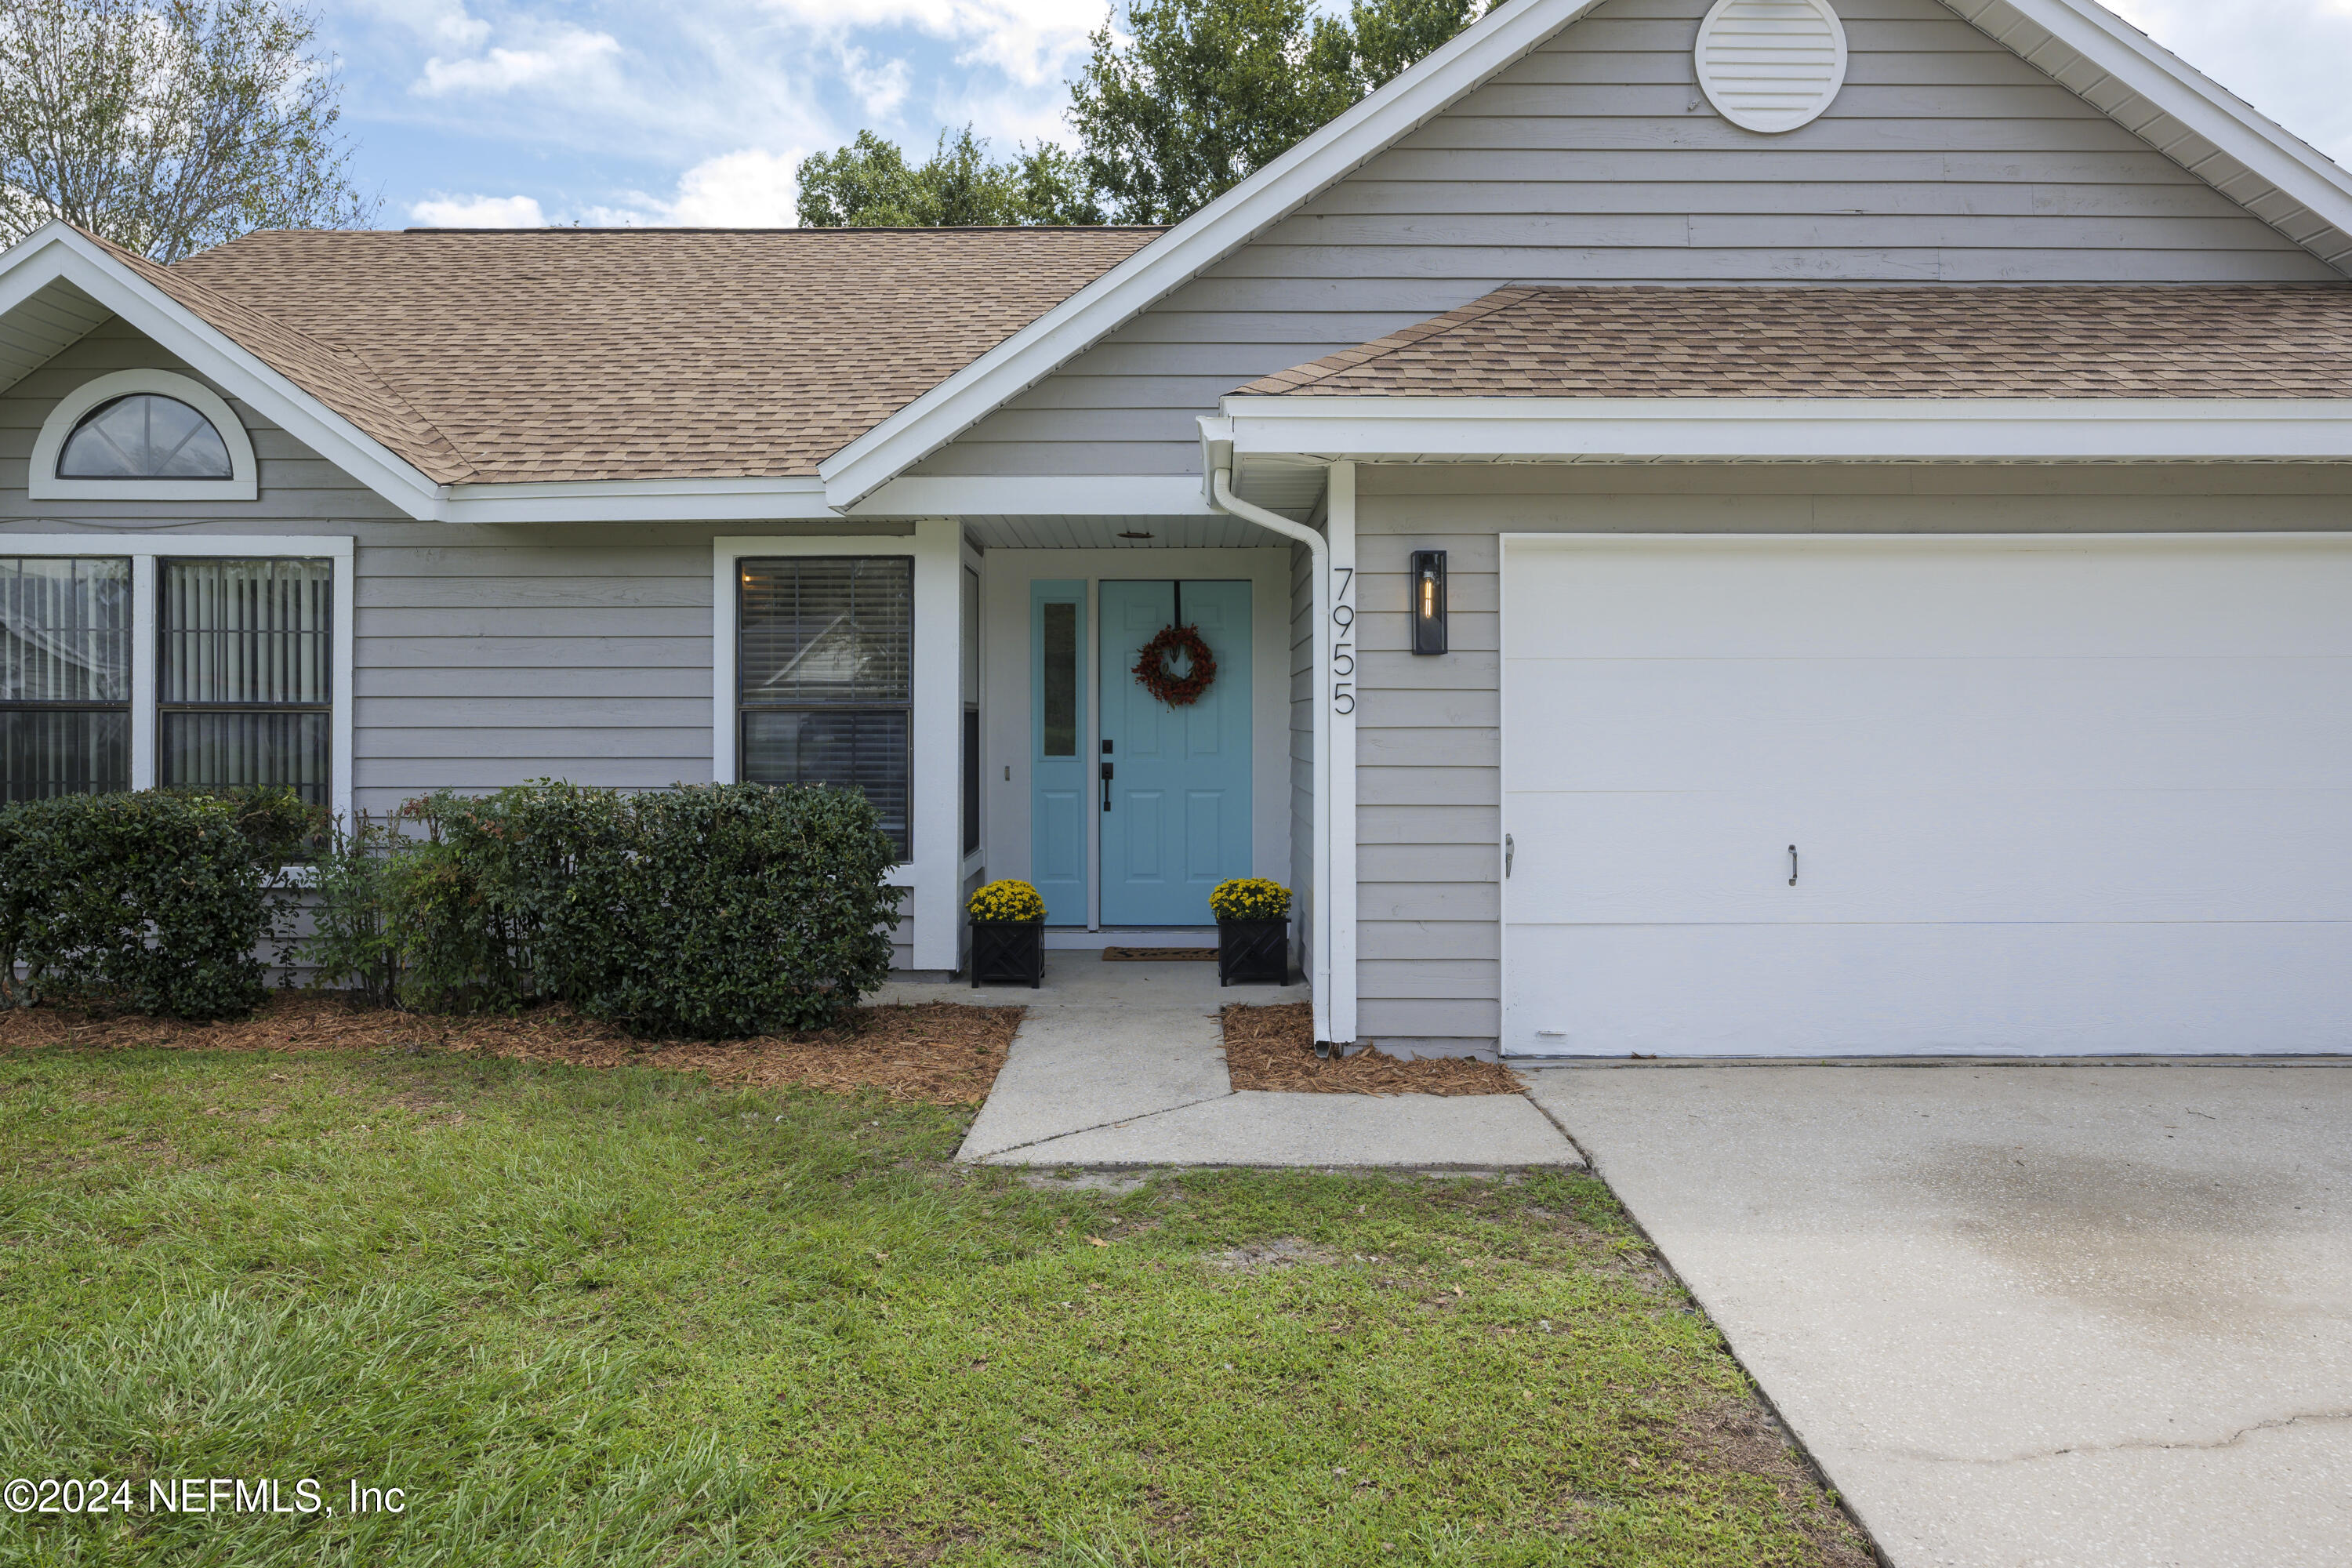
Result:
[
  {"x": 1792, "y": 865},
  {"x": 1508, "y": 849},
  {"x": 1105, "y": 783}
]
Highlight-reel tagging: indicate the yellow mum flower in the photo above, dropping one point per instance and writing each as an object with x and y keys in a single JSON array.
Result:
[
  {"x": 1250, "y": 898},
  {"x": 1007, "y": 899}
]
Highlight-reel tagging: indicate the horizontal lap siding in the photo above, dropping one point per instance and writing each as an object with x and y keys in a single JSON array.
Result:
[
  {"x": 1429, "y": 755},
  {"x": 484, "y": 655},
  {"x": 1595, "y": 159}
]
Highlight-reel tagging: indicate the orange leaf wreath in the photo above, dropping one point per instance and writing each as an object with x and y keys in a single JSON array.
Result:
[{"x": 1152, "y": 673}]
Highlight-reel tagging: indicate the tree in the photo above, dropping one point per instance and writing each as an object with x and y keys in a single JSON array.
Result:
[
  {"x": 1204, "y": 92},
  {"x": 170, "y": 125},
  {"x": 869, "y": 184}
]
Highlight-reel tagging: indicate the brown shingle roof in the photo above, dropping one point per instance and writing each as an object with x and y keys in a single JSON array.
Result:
[
  {"x": 1859, "y": 340},
  {"x": 630, "y": 353}
]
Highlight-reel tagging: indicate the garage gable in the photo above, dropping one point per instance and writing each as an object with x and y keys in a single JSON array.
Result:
[{"x": 1984, "y": 147}]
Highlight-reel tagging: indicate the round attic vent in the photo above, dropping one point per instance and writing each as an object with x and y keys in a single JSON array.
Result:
[{"x": 1770, "y": 64}]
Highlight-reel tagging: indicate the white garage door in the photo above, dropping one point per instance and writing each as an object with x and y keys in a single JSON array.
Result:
[{"x": 2045, "y": 796}]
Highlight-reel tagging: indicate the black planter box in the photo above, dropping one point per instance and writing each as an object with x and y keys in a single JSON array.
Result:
[
  {"x": 1008, "y": 953},
  {"x": 1255, "y": 952}
]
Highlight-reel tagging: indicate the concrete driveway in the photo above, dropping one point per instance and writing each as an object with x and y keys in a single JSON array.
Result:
[{"x": 2095, "y": 1317}]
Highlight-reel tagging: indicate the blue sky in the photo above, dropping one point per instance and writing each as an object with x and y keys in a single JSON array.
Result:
[{"x": 696, "y": 111}]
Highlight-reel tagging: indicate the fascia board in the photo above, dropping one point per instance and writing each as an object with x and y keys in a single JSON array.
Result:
[
  {"x": 802, "y": 500},
  {"x": 955, "y": 404},
  {"x": 795, "y": 499},
  {"x": 1051, "y": 495},
  {"x": 1793, "y": 429},
  {"x": 2198, "y": 102},
  {"x": 59, "y": 253}
]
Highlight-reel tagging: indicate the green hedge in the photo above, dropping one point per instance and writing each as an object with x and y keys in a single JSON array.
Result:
[
  {"x": 156, "y": 900},
  {"x": 702, "y": 911}
]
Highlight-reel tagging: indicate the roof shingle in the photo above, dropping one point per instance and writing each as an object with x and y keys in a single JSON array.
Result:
[
  {"x": 496, "y": 356},
  {"x": 1858, "y": 341}
]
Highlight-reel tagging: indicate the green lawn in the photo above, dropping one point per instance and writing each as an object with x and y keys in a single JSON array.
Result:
[{"x": 618, "y": 1317}]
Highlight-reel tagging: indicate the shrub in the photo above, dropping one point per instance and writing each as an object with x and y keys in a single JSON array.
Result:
[
  {"x": 705, "y": 910},
  {"x": 1250, "y": 898},
  {"x": 156, "y": 900},
  {"x": 1006, "y": 899}
]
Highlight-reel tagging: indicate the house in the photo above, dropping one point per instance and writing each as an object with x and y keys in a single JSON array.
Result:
[{"x": 1776, "y": 527}]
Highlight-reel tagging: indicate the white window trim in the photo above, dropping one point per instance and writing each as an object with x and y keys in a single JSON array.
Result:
[
  {"x": 143, "y": 552},
  {"x": 973, "y": 561},
  {"x": 936, "y": 717},
  {"x": 43, "y": 484}
]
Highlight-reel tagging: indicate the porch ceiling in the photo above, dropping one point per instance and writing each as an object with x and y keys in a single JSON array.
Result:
[{"x": 1106, "y": 533}]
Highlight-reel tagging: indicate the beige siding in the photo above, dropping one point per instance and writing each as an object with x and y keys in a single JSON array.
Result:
[
  {"x": 1429, "y": 737},
  {"x": 1595, "y": 159}
]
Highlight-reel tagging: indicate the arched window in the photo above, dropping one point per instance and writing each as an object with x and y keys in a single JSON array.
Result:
[
  {"x": 141, "y": 435},
  {"x": 145, "y": 435}
]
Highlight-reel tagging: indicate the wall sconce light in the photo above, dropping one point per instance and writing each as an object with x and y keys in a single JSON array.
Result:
[{"x": 1429, "y": 601}]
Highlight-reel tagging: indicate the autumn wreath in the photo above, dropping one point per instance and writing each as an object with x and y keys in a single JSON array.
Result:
[{"x": 1152, "y": 671}]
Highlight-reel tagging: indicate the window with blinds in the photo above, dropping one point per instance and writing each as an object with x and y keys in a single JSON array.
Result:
[
  {"x": 825, "y": 665},
  {"x": 65, "y": 676},
  {"x": 245, "y": 675}
]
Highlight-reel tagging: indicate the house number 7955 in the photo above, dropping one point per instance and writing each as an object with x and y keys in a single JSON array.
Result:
[{"x": 1343, "y": 646}]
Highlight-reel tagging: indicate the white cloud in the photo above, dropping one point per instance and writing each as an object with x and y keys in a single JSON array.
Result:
[
  {"x": 2285, "y": 57},
  {"x": 879, "y": 88},
  {"x": 750, "y": 188},
  {"x": 567, "y": 56},
  {"x": 1031, "y": 41},
  {"x": 478, "y": 211},
  {"x": 444, "y": 23}
]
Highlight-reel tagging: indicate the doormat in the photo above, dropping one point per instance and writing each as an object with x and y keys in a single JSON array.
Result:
[{"x": 1160, "y": 955}]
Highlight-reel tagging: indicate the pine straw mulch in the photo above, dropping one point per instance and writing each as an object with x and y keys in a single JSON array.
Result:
[
  {"x": 942, "y": 1053},
  {"x": 1273, "y": 1048}
]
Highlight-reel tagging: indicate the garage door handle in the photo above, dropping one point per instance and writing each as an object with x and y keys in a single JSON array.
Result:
[
  {"x": 1509, "y": 849},
  {"x": 1792, "y": 865}
]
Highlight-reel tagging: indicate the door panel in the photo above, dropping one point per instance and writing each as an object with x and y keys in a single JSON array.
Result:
[
  {"x": 1059, "y": 771},
  {"x": 2088, "y": 796},
  {"x": 1180, "y": 791}
]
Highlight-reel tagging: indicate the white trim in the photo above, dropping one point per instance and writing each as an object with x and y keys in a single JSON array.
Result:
[
  {"x": 42, "y": 483},
  {"x": 144, "y": 551},
  {"x": 786, "y": 500},
  {"x": 1049, "y": 495},
  {"x": 935, "y": 696},
  {"x": 1318, "y": 548},
  {"x": 56, "y": 253},
  {"x": 802, "y": 500},
  {"x": 1340, "y": 839},
  {"x": 1793, "y": 428},
  {"x": 2139, "y": 539},
  {"x": 938, "y": 417}
]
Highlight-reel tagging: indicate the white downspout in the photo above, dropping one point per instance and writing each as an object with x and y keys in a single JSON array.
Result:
[{"x": 1221, "y": 491}]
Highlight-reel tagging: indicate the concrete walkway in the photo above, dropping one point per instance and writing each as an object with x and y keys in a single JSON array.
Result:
[
  {"x": 1124, "y": 1064},
  {"x": 2082, "y": 1317}
]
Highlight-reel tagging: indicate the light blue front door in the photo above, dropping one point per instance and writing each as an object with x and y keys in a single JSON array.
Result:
[
  {"x": 1060, "y": 771},
  {"x": 1177, "y": 820}
]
